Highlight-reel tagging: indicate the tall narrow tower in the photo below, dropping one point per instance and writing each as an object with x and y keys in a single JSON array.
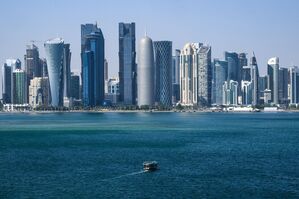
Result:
[{"x": 145, "y": 72}]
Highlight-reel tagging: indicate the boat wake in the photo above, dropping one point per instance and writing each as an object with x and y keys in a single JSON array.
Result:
[{"x": 125, "y": 175}]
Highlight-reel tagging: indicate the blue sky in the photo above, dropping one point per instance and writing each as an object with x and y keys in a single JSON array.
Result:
[{"x": 268, "y": 27}]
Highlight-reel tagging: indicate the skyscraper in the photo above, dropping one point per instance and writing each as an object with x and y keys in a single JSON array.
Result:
[
  {"x": 204, "y": 76},
  {"x": 176, "y": 76},
  {"x": 127, "y": 63},
  {"x": 93, "y": 57},
  {"x": 294, "y": 85},
  {"x": 54, "y": 49},
  {"x": 19, "y": 87},
  {"x": 220, "y": 76},
  {"x": 106, "y": 75},
  {"x": 247, "y": 91},
  {"x": 230, "y": 93},
  {"x": 283, "y": 86},
  {"x": 255, "y": 80},
  {"x": 75, "y": 86},
  {"x": 66, "y": 70},
  {"x": 88, "y": 79},
  {"x": 273, "y": 73},
  {"x": 86, "y": 29},
  {"x": 189, "y": 74},
  {"x": 6, "y": 83},
  {"x": 39, "y": 92},
  {"x": 163, "y": 72},
  {"x": 32, "y": 62},
  {"x": 233, "y": 71},
  {"x": 262, "y": 86},
  {"x": 242, "y": 62},
  {"x": 145, "y": 72}
]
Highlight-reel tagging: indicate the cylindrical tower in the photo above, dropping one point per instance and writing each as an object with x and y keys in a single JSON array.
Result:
[
  {"x": 145, "y": 72},
  {"x": 54, "y": 56}
]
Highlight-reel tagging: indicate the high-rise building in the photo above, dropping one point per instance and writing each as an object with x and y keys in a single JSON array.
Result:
[
  {"x": 93, "y": 58},
  {"x": 273, "y": 73},
  {"x": 283, "y": 86},
  {"x": 66, "y": 71},
  {"x": 14, "y": 64},
  {"x": 243, "y": 61},
  {"x": 33, "y": 64},
  {"x": 293, "y": 85},
  {"x": 196, "y": 75},
  {"x": 43, "y": 63},
  {"x": 145, "y": 71},
  {"x": 86, "y": 29},
  {"x": 219, "y": 77},
  {"x": 39, "y": 92},
  {"x": 54, "y": 49},
  {"x": 176, "y": 76},
  {"x": 246, "y": 73},
  {"x": 88, "y": 79},
  {"x": 75, "y": 86},
  {"x": 247, "y": 91},
  {"x": 230, "y": 93},
  {"x": 163, "y": 72},
  {"x": 233, "y": 71},
  {"x": 188, "y": 74},
  {"x": 127, "y": 63},
  {"x": 106, "y": 75},
  {"x": 255, "y": 80},
  {"x": 113, "y": 90},
  {"x": 7, "y": 83},
  {"x": 19, "y": 87},
  {"x": 204, "y": 72},
  {"x": 262, "y": 86}
]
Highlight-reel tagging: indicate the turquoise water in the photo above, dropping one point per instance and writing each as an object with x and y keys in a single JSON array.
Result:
[{"x": 100, "y": 155}]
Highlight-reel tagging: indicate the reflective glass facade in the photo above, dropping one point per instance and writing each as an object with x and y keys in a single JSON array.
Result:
[
  {"x": 163, "y": 72},
  {"x": 93, "y": 58},
  {"x": 54, "y": 54},
  {"x": 127, "y": 63}
]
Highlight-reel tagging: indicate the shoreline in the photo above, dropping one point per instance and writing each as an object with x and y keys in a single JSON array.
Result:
[{"x": 148, "y": 111}]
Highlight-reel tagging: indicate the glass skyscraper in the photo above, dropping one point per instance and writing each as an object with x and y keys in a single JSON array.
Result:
[
  {"x": 66, "y": 70},
  {"x": 88, "y": 94},
  {"x": 163, "y": 72},
  {"x": 6, "y": 83},
  {"x": 127, "y": 63},
  {"x": 93, "y": 58},
  {"x": 176, "y": 76},
  {"x": 273, "y": 73},
  {"x": 19, "y": 87},
  {"x": 204, "y": 77},
  {"x": 54, "y": 49},
  {"x": 75, "y": 86},
  {"x": 233, "y": 66},
  {"x": 220, "y": 76}
]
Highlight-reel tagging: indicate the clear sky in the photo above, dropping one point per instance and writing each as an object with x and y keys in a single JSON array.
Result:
[{"x": 267, "y": 27}]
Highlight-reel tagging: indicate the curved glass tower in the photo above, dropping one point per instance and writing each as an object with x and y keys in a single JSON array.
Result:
[
  {"x": 145, "y": 73},
  {"x": 163, "y": 72},
  {"x": 54, "y": 55}
]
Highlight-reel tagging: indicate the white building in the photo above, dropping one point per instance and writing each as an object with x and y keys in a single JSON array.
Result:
[
  {"x": 113, "y": 90},
  {"x": 188, "y": 73},
  {"x": 39, "y": 92},
  {"x": 230, "y": 93}
]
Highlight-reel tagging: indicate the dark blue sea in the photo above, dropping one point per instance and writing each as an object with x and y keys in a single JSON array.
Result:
[{"x": 100, "y": 155}]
